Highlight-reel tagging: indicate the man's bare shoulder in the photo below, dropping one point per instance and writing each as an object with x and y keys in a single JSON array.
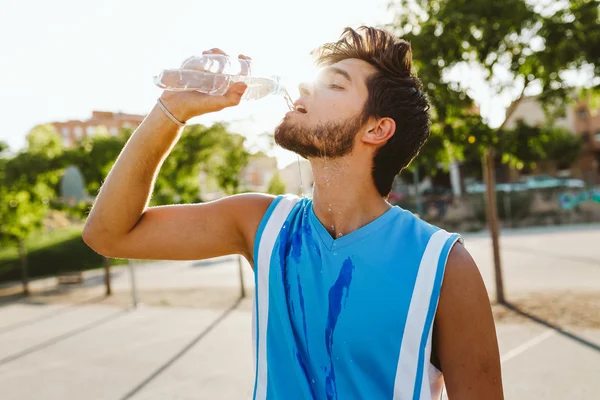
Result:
[
  {"x": 463, "y": 284},
  {"x": 460, "y": 261},
  {"x": 464, "y": 334},
  {"x": 249, "y": 209},
  {"x": 256, "y": 201}
]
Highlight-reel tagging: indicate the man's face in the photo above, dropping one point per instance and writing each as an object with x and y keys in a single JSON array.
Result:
[{"x": 329, "y": 112}]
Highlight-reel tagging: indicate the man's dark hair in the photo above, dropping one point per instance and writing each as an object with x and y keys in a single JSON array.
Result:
[{"x": 393, "y": 91}]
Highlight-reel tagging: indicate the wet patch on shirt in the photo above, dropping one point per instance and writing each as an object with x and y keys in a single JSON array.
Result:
[
  {"x": 301, "y": 297},
  {"x": 284, "y": 248},
  {"x": 338, "y": 293},
  {"x": 309, "y": 380},
  {"x": 298, "y": 237}
]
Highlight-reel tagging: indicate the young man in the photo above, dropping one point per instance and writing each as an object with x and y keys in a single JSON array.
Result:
[{"x": 355, "y": 299}]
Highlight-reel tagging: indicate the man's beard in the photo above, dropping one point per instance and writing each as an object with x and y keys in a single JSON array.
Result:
[{"x": 330, "y": 139}]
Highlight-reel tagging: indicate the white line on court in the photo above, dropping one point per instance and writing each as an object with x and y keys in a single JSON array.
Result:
[{"x": 526, "y": 346}]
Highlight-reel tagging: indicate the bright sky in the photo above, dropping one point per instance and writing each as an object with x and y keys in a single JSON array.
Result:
[{"x": 61, "y": 59}]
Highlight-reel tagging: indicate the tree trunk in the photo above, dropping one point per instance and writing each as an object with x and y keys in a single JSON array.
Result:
[
  {"x": 489, "y": 176},
  {"x": 492, "y": 217},
  {"x": 107, "y": 278},
  {"x": 24, "y": 267},
  {"x": 241, "y": 271}
]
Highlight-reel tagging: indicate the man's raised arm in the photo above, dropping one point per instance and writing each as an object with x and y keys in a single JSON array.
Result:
[{"x": 121, "y": 224}]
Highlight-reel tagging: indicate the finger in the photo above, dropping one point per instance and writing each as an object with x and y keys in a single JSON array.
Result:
[
  {"x": 214, "y": 50},
  {"x": 217, "y": 65},
  {"x": 245, "y": 65}
]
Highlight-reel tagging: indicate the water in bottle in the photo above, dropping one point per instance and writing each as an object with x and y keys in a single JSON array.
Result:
[{"x": 213, "y": 74}]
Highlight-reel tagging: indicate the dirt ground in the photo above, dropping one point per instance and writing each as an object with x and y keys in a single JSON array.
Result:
[{"x": 575, "y": 309}]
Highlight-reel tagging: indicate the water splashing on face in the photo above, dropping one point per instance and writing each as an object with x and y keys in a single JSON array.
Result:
[
  {"x": 300, "y": 174},
  {"x": 288, "y": 100}
]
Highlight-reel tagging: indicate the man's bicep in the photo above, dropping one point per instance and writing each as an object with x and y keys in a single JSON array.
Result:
[
  {"x": 464, "y": 332},
  {"x": 195, "y": 231}
]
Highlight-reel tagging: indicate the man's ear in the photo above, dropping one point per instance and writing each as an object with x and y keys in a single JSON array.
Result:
[{"x": 379, "y": 131}]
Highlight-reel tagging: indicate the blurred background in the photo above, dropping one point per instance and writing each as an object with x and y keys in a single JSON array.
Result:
[{"x": 512, "y": 163}]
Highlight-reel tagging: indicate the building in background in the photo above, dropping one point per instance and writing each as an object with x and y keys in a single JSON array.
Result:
[
  {"x": 255, "y": 177},
  {"x": 73, "y": 131},
  {"x": 587, "y": 125},
  {"x": 579, "y": 119},
  {"x": 298, "y": 178},
  {"x": 530, "y": 111}
]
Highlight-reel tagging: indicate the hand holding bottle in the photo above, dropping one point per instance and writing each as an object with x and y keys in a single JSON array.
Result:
[{"x": 185, "y": 103}]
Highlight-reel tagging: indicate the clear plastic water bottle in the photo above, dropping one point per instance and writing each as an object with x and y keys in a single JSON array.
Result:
[{"x": 213, "y": 74}]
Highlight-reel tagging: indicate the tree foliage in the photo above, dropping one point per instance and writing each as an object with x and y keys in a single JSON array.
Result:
[
  {"x": 28, "y": 182},
  {"x": 563, "y": 148},
  {"x": 229, "y": 163},
  {"x": 178, "y": 181},
  {"x": 525, "y": 146},
  {"x": 513, "y": 44},
  {"x": 94, "y": 156},
  {"x": 44, "y": 139},
  {"x": 30, "y": 179},
  {"x": 212, "y": 149}
]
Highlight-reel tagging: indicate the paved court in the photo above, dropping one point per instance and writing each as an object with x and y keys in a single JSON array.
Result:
[{"x": 98, "y": 351}]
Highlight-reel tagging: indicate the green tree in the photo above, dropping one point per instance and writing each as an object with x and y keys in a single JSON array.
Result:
[
  {"x": 212, "y": 149},
  {"x": 524, "y": 147},
  {"x": 563, "y": 148},
  {"x": 178, "y": 181},
  {"x": 276, "y": 185},
  {"x": 513, "y": 45},
  {"x": 45, "y": 139},
  {"x": 27, "y": 184},
  {"x": 95, "y": 155},
  {"x": 230, "y": 162}
]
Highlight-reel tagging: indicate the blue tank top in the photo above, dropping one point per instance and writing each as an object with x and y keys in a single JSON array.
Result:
[{"x": 349, "y": 318}]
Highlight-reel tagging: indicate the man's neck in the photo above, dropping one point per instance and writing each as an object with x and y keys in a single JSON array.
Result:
[{"x": 345, "y": 198}]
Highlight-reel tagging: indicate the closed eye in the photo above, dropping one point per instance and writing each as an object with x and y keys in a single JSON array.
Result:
[{"x": 335, "y": 87}]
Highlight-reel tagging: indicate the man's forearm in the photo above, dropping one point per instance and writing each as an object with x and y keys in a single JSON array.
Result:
[{"x": 126, "y": 192}]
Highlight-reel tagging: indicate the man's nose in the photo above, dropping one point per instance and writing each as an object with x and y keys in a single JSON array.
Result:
[{"x": 305, "y": 89}]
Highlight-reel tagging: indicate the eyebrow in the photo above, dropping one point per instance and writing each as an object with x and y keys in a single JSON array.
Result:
[{"x": 339, "y": 71}]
